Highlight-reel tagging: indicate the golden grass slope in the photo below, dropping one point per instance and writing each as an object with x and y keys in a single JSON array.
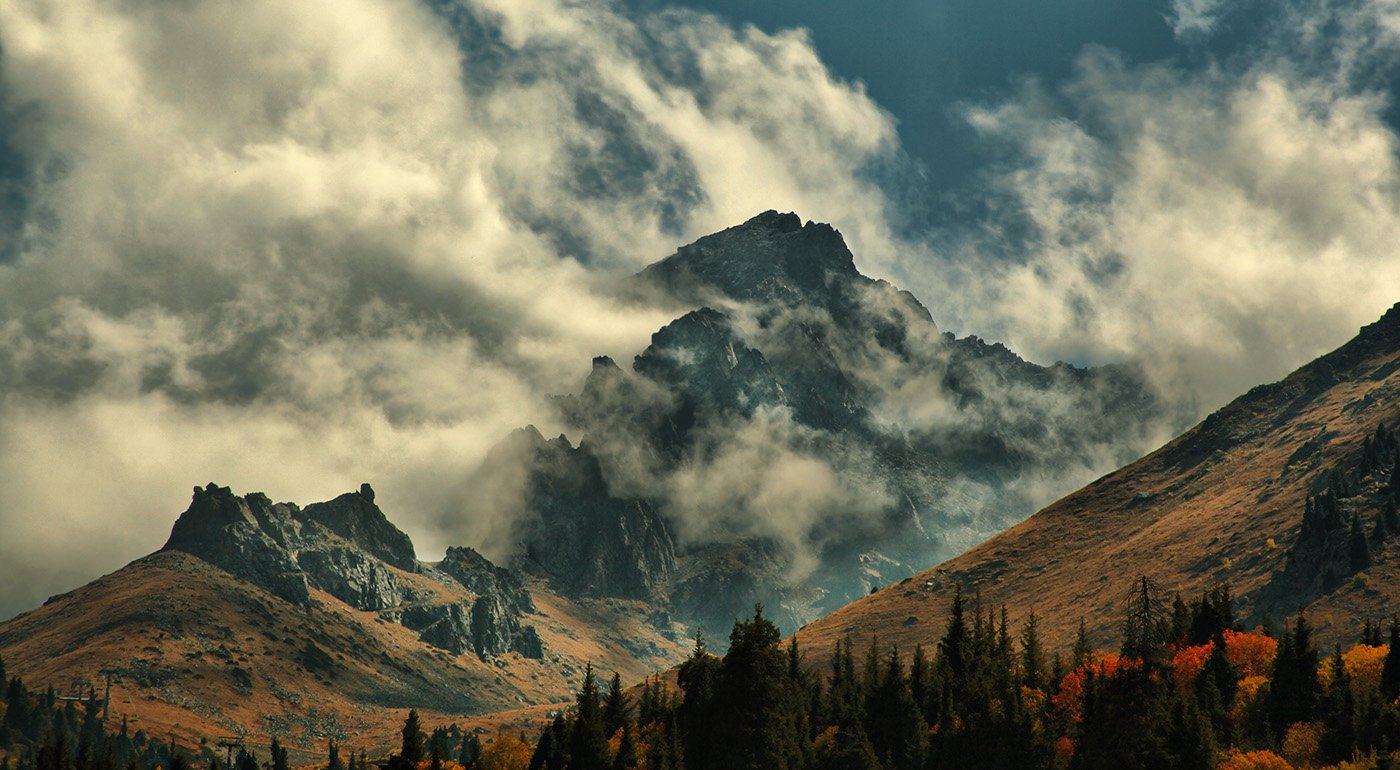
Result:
[{"x": 1222, "y": 502}]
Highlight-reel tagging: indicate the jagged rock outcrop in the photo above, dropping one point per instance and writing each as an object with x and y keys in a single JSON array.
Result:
[
  {"x": 246, "y": 536},
  {"x": 348, "y": 548},
  {"x": 782, "y": 346},
  {"x": 350, "y": 576},
  {"x": 355, "y": 517},
  {"x": 583, "y": 538}
]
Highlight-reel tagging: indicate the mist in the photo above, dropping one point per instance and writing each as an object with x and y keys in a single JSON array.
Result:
[{"x": 294, "y": 247}]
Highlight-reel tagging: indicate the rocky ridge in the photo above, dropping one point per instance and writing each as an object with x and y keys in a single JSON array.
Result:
[
  {"x": 349, "y": 549},
  {"x": 778, "y": 331}
]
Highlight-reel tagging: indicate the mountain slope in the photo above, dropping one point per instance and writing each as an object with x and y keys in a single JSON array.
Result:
[
  {"x": 1223, "y": 502},
  {"x": 264, "y": 619}
]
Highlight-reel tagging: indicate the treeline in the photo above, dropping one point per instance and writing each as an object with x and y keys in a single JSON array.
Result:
[
  {"x": 1188, "y": 689},
  {"x": 39, "y": 730}
]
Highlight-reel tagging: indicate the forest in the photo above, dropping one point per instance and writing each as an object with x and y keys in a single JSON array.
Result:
[{"x": 1187, "y": 688}]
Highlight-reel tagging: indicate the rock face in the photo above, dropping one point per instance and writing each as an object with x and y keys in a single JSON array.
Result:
[
  {"x": 925, "y": 442},
  {"x": 348, "y": 548},
  {"x": 586, "y": 540}
]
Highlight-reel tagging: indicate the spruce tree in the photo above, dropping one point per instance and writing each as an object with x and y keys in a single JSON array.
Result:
[
  {"x": 697, "y": 677},
  {"x": 333, "y": 761},
  {"x": 471, "y": 751},
  {"x": 1294, "y": 689},
  {"x": 1390, "y": 670},
  {"x": 1033, "y": 669},
  {"x": 616, "y": 709},
  {"x": 1083, "y": 652},
  {"x": 1338, "y": 713},
  {"x": 1358, "y": 550},
  {"x": 411, "y": 746},
  {"x": 755, "y": 725},
  {"x": 588, "y": 746}
]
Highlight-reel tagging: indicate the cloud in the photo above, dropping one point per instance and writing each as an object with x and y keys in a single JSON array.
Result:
[
  {"x": 1194, "y": 19},
  {"x": 1220, "y": 225},
  {"x": 297, "y": 246}
]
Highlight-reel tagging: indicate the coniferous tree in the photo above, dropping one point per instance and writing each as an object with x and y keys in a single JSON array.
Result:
[
  {"x": 1083, "y": 652},
  {"x": 626, "y": 758},
  {"x": 755, "y": 726},
  {"x": 1216, "y": 687},
  {"x": 616, "y": 709},
  {"x": 1358, "y": 549},
  {"x": 1338, "y": 713},
  {"x": 588, "y": 746},
  {"x": 1294, "y": 689},
  {"x": 1390, "y": 670},
  {"x": 893, "y": 722},
  {"x": 246, "y": 761},
  {"x": 1033, "y": 668},
  {"x": 333, "y": 761},
  {"x": 547, "y": 755},
  {"x": 411, "y": 746},
  {"x": 279, "y": 756},
  {"x": 697, "y": 678},
  {"x": 471, "y": 752}
]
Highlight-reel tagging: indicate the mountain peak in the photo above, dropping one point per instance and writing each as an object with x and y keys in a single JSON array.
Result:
[{"x": 772, "y": 257}]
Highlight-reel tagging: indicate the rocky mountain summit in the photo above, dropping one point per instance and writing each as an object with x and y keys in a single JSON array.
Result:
[
  {"x": 348, "y": 548},
  {"x": 799, "y": 434}
]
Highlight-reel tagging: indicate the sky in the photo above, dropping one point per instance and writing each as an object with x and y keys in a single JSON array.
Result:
[{"x": 291, "y": 247}]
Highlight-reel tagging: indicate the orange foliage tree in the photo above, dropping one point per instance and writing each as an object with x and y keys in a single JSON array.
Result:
[
  {"x": 1254, "y": 760},
  {"x": 507, "y": 752},
  {"x": 1068, "y": 703},
  {"x": 1251, "y": 654}
]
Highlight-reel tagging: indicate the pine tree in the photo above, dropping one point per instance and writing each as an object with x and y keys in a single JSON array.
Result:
[
  {"x": 1083, "y": 652},
  {"x": 246, "y": 761},
  {"x": 471, "y": 752},
  {"x": 333, "y": 757},
  {"x": 1390, "y": 671},
  {"x": 1216, "y": 687},
  {"x": 1033, "y": 669},
  {"x": 588, "y": 746},
  {"x": 616, "y": 709},
  {"x": 1338, "y": 714},
  {"x": 755, "y": 724},
  {"x": 1358, "y": 550},
  {"x": 411, "y": 747},
  {"x": 1294, "y": 689},
  {"x": 279, "y": 756},
  {"x": 697, "y": 678},
  {"x": 893, "y": 722}
]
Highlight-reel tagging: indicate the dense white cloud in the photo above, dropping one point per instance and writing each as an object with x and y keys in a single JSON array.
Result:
[
  {"x": 1222, "y": 225},
  {"x": 296, "y": 246},
  {"x": 293, "y": 246}
]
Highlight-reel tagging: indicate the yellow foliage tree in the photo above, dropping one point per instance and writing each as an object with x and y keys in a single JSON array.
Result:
[
  {"x": 507, "y": 752},
  {"x": 1254, "y": 760}
]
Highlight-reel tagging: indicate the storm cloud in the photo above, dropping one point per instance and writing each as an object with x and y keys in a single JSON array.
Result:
[{"x": 295, "y": 246}]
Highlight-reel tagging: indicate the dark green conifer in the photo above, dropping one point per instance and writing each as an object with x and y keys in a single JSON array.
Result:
[
  {"x": 616, "y": 709},
  {"x": 1294, "y": 689},
  {"x": 411, "y": 750},
  {"x": 1390, "y": 670},
  {"x": 1033, "y": 668},
  {"x": 1083, "y": 652},
  {"x": 333, "y": 761},
  {"x": 588, "y": 746}
]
